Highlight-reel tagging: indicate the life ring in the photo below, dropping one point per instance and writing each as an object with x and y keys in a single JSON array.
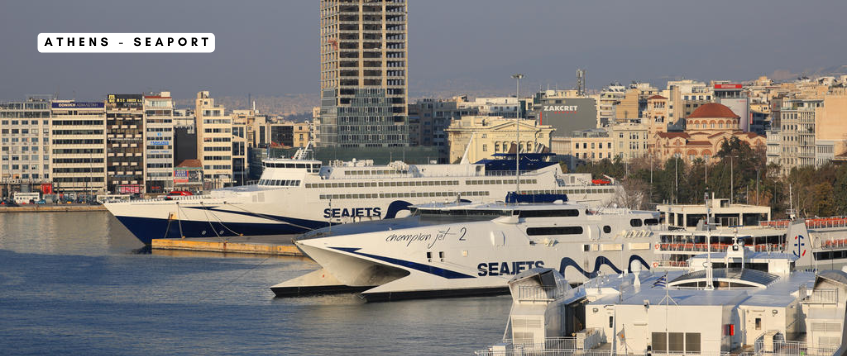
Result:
[
  {"x": 655, "y": 264},
  {"x": 656, "y": 246}
]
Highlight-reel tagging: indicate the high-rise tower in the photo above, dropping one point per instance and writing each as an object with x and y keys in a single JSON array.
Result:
[{"x": 363, "y": 73}]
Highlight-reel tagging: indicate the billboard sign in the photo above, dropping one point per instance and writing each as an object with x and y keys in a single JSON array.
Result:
[
  {"x": 180, "y": 176},
  {"x": 129, "y": 189},
  {"x": 125, "y": 100},
  {"x": 568, "y": 115},
  {"x": 728, "y": 86},
  {"x": 78, "y": 105}
]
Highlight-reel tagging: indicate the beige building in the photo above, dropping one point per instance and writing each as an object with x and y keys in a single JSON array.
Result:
[
  {"x": 158, "y": 142},
  {"x": 488, "y": 135},
  {"x": 78, "y": 142},
  {"x": 656, "y": 114},
  {"x": 214, "y": 140},
  {"x": 25, "y": 143},
  {"x": 629, "y": 140},
  {"x": 591, "y": 145}
]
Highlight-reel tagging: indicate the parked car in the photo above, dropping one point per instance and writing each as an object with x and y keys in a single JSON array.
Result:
[{"x": 178, "y": 193}]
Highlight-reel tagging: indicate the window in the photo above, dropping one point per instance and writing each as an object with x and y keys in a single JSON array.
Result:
[
  {"x": 676, "y": 342},
  {"x": 555, "y": 230},
  {"x": 692, "y": 342},
  {"x": 635, "y": 223},
  {"x": 484, "y": 148},
  {"x": 660, "y": 342}
]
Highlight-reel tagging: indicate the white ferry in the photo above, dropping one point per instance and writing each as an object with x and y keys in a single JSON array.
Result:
[
  {"x": 464, "y": 249},
  {"x": 736, "y": 302},
  {"x": 296, "y": 195}
]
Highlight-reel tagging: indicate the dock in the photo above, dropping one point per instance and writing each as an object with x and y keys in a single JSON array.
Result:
[
  {"x": 36, "y": 208},
  {"x": 257, "y": 245}
]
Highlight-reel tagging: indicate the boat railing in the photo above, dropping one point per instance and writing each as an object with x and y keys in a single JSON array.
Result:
[
  {"x": 814, "y": 223},
  {"x": 670, "y": 264},
  {"x": 834, "y": 243},
  {"x": 539, "y": 294},
  {"x": 698, "y": 247},
  {"x": 790, "y": 348},
  {"x": 568, "y": 346},
  {"x": 822, "y": 296}
]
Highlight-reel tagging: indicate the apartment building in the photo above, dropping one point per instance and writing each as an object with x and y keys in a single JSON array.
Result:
[
  {"x": 25, "y": 144},
  {"x": 78, "y": 144},
  {"x": 159, "y": 142},
  {"x": 364, "y": 78},
  {"x": 214, "y": 140},
  {"x": 125, "y": 144}
]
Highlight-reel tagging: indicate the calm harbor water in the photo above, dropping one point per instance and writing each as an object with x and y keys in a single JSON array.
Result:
[{"x": 72, "y": 283}]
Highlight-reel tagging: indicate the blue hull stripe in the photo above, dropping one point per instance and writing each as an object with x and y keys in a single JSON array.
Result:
[
  {"x": 600, "y": 261},
  {"x": 147, "y": 229},
  {"x": 413, "y": 265}
]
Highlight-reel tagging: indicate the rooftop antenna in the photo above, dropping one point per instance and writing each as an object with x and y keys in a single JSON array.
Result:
[{"x": 580, "y": 81}]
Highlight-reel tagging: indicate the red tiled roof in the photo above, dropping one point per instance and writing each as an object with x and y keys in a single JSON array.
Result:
[
  {"x": 190, "y": 163},
  {"x": 655, "y": 97},
  {"x": 673, "y": 134},
  {"x": 712, "y": 110},
  {"x": 699, "y": 143}
]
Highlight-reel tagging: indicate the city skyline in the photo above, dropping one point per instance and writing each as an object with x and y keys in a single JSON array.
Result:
[{"x": 270, "y": 48}]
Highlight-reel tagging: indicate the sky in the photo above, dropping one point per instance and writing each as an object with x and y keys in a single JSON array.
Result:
[{"x": 271, "y": 47}]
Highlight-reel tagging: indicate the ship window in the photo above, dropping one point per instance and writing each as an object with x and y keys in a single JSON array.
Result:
[
  {"x": 650, "y": 222},
  {"x": 607, "y": 229},
  {"x": 429, "y": 256},
  {"x": 635, "y": 223},
  {"x": 554, "y": 230},
  {"x": 548, "y": 213}
]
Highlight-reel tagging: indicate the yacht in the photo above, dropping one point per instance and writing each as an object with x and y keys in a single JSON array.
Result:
[
  {"x": 729, "y": 303},
  {"x": 297, "y": 195},
  {"x": 462, "y": 249}
]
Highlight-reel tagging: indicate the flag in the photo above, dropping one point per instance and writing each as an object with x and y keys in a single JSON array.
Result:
[{"x": 661, "y": 282}]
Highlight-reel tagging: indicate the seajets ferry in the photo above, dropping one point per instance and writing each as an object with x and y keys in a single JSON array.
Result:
[
  {"x": 471, "y": 249},
  {"x": 296, "y": 195}
]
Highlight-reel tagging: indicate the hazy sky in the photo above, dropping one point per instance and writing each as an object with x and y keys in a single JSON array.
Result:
[{"x": 270, "y": 47}]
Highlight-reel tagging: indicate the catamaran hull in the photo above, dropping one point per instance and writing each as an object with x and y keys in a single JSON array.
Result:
[{"x": 468, "y": 259}]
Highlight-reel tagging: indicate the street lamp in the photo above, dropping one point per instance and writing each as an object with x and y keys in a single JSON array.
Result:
[{"x": 518, "y": 78}]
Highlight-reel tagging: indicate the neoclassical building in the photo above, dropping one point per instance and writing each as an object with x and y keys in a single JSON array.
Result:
[
  {"x": 494, "y": 135},
  {"x": 706, "y": 129}
]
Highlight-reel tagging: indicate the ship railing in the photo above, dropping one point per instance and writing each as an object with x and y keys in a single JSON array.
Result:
[
  {"x": 539, "y": 294},
  {"x": 509, "y": 349},
  {"x": 670, "y": 264},
  {"x": 697, "y": 247},
  {"x": 790, "y": 348},
  {"x": 834, "y": 243},
  {"x": 822, "y": 296},
  {"x": 828, "y": 222}
]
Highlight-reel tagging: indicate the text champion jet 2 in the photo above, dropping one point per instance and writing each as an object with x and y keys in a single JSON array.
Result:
[{"x": 465, "y": 249}]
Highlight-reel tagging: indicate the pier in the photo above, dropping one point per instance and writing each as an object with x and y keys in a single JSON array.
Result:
[
  {"x": 35, "y": 208},
  {"x": 257, "y": 245}
]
